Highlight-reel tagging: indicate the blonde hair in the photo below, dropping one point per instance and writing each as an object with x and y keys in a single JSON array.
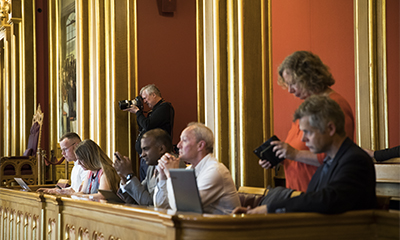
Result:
[
  {"x": 307, "y": 70},
  {"x": 93, "y": 158}
]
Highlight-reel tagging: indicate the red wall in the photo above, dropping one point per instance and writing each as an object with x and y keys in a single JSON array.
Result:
[
  {"x": 167, "y": 57},
  {"x": 322, "y": 27},
  {"x": 393, "y": 49},
  {"x": 42, "y": 68}
]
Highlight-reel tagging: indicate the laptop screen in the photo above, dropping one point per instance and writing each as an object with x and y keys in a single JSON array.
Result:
[
  {"x": 110, "y": 196},
  {"x": 187, "y": 197},
  {"x": 22, "y": 184}
]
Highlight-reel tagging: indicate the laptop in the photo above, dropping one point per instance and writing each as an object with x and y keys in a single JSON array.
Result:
[
  {"x": 23, "y": 184},
  {"x": 187, "y": 197},
  {"x": 110, "y": 196}
]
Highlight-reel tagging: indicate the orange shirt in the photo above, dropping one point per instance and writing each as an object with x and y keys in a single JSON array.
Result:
[{"x": 298, "y": 174}]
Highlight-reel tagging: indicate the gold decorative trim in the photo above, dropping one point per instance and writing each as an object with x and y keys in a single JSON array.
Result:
[
  {"x": 236, "y": 82},
  {"x": 217, "y": 78},
  {"x": 371, "y": 73},
  {"x": 232, "y": 75},
  {"x": 268, "y": 114},
  {"x": 200, "y": 60},
  {"x": 240, "y": 125},
  {"x": 383, "y": 117},
  {"x": 372, "y": 68}
]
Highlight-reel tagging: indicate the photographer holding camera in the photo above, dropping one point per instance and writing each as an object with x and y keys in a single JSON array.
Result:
[{"x": 161, "y": 116}]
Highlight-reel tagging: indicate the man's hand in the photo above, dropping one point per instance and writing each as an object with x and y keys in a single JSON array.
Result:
[
  {"x": 284, "y": 150},
  {"x": 132, "y": 109},
  {"x": 161, "y": 174},
  {"x": 123, "y": 166},
  {"x": 167, "y": 162},
  {"x": 48, "y": 190},
  {"x": 239, "y": 210},
  {"x": 65, "y": 191},
  {"x": 56, "y": 191},
  {"x": 258, "y": 210}
]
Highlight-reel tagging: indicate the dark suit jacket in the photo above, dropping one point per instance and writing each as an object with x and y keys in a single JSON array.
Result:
[
  {"x": 387, "y": 154},
  {"x": 161, "y": 116},
  {"x": 348, "y": 185},
  {"x": 140, "y": 193}
]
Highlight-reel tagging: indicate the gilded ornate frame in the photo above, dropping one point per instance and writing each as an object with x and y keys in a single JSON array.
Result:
[
  {"x": 371, "y": 73},
  {"x": 106, "y": 71}
]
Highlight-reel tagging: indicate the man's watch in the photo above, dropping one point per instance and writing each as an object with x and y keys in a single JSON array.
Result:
[{"x": 129, "y": 176}]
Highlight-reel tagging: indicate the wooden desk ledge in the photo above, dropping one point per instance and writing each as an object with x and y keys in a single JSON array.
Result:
[
  {"x": 286, "y": 219},
  {"x": 66, "y": 216}
]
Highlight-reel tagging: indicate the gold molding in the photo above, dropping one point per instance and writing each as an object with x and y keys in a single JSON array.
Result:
[
  {"x": 383, "y": 126},
  {"x": 371, "y": 73},
  {"x": 372, "y": 67},
  {"x": 106, "y": 60},
  {"x": 200, "y": 60},
  {"x": 241, "y": 86},
  {"x": 268, "y": 110},
  {"x": 18, "y": 74}
]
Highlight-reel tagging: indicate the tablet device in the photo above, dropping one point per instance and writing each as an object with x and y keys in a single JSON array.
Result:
[
  {"x": 187, "y": 197},
  {"x": 265, "y": 152},
  {"x": 111, "y": 196},
  {"x": 23, "y": 184}
]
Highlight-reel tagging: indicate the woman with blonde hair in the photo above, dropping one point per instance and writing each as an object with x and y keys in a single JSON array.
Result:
[
  {"x": 101, "y": 175},
  {"x": 303, "y": 74}
]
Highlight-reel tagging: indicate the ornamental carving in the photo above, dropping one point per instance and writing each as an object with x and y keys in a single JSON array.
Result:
[{"x": 5, "y": 6}]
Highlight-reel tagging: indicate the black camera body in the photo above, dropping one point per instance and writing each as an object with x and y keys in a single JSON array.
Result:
[{"x": 138, "y": 101}]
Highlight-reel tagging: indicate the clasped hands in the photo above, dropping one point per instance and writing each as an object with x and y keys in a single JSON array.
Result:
[{"x": 166, "y": 162}]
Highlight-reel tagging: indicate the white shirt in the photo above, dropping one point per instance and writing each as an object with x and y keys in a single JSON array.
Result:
[
  {"x": 216, "y": 188},
  {"x": 78, "y": 175}
]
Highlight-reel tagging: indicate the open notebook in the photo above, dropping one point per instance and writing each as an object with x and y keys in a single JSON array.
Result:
[{"x": 187, "y": 197}]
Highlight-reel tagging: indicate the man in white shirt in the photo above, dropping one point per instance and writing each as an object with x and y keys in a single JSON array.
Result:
[
  {"x": 216, "y": 188},
  {"x": 68, "y": 143}
]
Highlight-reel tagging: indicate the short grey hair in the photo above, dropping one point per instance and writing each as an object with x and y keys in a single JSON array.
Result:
[
  {"x": 201, "y": 132},
  {"x": 321, "y": 110},
  {"x": 151, "y": 88}
]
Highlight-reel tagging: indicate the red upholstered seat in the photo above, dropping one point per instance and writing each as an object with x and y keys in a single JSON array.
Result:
[
  {"x": 33, "y": 140},
  {"x": 9, "y": 170},
  {"x": 26, "y": 169},
  {"x": 251, "y": 196}
]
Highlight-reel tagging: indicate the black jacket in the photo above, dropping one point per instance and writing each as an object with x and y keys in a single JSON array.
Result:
[
  {"x": 161, "y": 116},
  {"x": 348, "y": 185},
  {"x": 386, "y": 154}
]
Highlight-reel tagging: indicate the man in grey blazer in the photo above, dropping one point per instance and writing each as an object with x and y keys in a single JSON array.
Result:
[
  {"x": 154, "y": 144},
  {"x": 345, "y": 181}
]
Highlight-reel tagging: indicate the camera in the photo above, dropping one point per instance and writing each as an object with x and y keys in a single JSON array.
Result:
[{"x": 138, "y": 101}]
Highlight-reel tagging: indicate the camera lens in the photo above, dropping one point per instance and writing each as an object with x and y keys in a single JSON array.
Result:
[{"x": 124, "y": 104}]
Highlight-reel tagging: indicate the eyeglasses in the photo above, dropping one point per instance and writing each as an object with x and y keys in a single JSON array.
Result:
[{"x": 65, "y": 149}]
